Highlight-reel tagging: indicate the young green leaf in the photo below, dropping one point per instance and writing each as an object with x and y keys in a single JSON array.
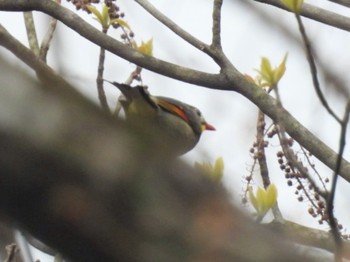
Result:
[
  {"x": 271, "y": 196},
  {"x": 279, "y": 71},
  {"x": 293, "y": 5},
  {"x": 215, "y": 172},
  {"x": 269, "y": 76},
  {"x": 97, "y": 13},
  {"x": 105, "y": 17},
  {"x": 146, "y": 48},
  {"x": 219, "y": 169},
  {"x": 266, "y": 70},
  {"x": 263, "y": 200}
]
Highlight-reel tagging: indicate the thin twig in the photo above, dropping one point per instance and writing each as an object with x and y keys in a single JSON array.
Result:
[
  {"x": 133, "y": 75},
  {"x": 261, "y": 156},
  {"x": 45, "y": 44},
  {"x": 330, "y": 201},
  {"x": 345, "y": 3},
  {"x": 289, "y": 154},
  {"x": 216, "y": 40},
  {"x": 173, "y": 26},
  {"x": 43, "y": 71},
  {"x": 305, "y": 191},
  {"x": 317, "y": 14},
  {"x": 313, "y": 168},
  {"x": 260, "y": 146},
  {"x": 332, "y": 79},
  {"x": 31, "y": 32},
  {"x": 307, "y": 236},
  {"x": 313, "y": 68},
  {"x": 216, "y": 54},
  {"x": 99, "y": 82}
]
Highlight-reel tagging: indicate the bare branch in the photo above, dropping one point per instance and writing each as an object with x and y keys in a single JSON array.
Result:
[
  {"x": 99, "y": 82},
  {"x": 313, "y": 69},
  {"x": 173, "y": 26},
  {"x": 324, "y": 189},
  {"x": 260, "y": 141},
  {"x": 288, "y": 152},
  {"x": 216, "y": 54},
  {"x": 317, "y": 14},
  {"x": 341, "y": 2},
  {"x": 43, "y": 71},
  {"x": 330, "y": 201},
  {"x": 302, "y": 135},
  {"x": 333, "y": 79},
  {"x": 45, "y": 44},
  {"x": 216, "y": 40},
  {"x": 31, "y": 32},
  {"x": 261, "y": 155},
  {"x": 308, "y": 236}
]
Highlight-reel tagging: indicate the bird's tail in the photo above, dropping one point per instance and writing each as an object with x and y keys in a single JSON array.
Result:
[{"x": 134, "y": 93}]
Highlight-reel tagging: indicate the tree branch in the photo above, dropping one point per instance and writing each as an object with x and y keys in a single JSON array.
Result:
[
  {"x": 99, "y": 82},
  {"x": 45, "y": 44},
  {"x": 215, "y": 53},
  {"x": 31, "y": 32},
  {"x": 333, "y": 80},
  {"x": 216, "y": 36},
  {"x": 308, "y": 236},
  {"x": 313, "y": 69},
  {"x": 261, "y": 156},
  {"x": 173, "y": 26},
  {"x": 341, "y": 2},
  {"x": 330, "y": 200},
  {"x": 317, "y": 14}
]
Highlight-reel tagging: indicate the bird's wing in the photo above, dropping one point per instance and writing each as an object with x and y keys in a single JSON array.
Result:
[{"x": 172, "y": 106}]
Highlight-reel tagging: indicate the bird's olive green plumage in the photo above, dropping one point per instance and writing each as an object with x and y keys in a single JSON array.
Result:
[{"x": 183, "y": 124}]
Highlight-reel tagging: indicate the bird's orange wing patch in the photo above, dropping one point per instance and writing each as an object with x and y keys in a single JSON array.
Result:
[{"x": 174, "y": 109}]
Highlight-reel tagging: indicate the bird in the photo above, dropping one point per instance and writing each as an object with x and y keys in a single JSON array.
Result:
[{"x": 180, "y": 123}]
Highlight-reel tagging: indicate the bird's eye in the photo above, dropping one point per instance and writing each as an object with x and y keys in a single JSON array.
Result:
[{"x": 198, "y": 112}]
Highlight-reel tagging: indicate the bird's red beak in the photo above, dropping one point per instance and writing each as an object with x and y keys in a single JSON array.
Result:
[{"x": 209, "y": 127}]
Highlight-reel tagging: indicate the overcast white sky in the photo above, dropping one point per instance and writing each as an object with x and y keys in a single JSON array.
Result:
[{"x": 246, "y": 37}]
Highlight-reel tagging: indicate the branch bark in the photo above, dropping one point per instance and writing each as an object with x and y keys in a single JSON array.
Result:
[
  {"x": 316, "y": 14},
  {"x": 308, "y": 236}
]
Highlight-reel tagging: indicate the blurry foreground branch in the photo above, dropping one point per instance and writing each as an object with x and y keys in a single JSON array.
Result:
[{"x": 96, "y": 190}]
